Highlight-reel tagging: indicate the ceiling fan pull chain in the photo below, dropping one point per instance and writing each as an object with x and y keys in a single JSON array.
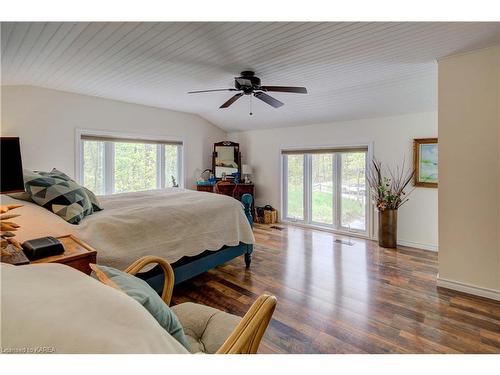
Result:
[{"x": 251, "y": 105}]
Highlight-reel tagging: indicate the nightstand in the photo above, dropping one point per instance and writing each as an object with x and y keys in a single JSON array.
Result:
[{"x": 77, "y": 254}]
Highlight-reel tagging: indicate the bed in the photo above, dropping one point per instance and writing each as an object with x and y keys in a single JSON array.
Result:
[
  {"x": 51, "y": 308},
  {"x": 194, "y": 231}
]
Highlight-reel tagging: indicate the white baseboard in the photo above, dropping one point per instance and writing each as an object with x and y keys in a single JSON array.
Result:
[
  {"x": 326, "y": 229},
  {"x": 470, "y": 289},
  {"x": 418, "y": 245}
]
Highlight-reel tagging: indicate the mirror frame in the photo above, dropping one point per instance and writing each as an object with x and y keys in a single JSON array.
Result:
[{"x": 237, "y": 156}]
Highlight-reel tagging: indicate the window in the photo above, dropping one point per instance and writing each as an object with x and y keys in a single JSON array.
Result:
[
  {"x": 93, "y": 166},
  {"x": 109, "y": 164},
  {"x": 295, "y": 185},
  {"x": 135, "y": 167},
  {"x": 326, "y": 188},
  {"x": 353, "y": 187},
  {"x": 322, "y": 188}
]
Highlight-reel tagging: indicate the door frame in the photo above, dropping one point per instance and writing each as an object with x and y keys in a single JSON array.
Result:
[{"x": 370, "y": 211}]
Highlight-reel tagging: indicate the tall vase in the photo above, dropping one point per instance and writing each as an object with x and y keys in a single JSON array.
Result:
[{"x": 388, "y": 228}]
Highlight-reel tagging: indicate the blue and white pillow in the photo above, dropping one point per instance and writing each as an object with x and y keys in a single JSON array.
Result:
[
  {"x": 58, "y": 194},
  {"x": 96, "y": 205},
  {"x": 141, "y": 291}
]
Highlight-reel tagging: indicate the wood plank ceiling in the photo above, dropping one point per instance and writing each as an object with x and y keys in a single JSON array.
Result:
[{"x": 352, "y": 70}]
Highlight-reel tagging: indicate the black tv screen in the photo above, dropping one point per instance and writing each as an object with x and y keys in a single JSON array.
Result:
[{"x": 11, "y": 179}]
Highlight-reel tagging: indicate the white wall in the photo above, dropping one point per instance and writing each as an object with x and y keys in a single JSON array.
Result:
[
  {"x": 392, "y": 138},
  {"x": 45, "y": 120},
  {"x": 469, "y": 159}
]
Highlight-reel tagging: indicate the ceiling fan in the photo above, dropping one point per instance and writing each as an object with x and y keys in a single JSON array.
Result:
[{"x": 249, "y": 84}]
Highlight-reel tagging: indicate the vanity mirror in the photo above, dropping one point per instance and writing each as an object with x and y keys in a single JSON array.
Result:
[{"x": 226, "y": 159}]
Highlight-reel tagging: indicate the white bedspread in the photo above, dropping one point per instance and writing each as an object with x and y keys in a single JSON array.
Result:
[{"x": 170, "y": 223}]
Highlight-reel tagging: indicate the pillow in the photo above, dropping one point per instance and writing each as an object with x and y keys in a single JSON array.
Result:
[
  {"x": 61, "y": 196},
  {"x": 96, "y": 205},
  {"x": 141, "y": 291},
  {"x": 23, "y": 196}
]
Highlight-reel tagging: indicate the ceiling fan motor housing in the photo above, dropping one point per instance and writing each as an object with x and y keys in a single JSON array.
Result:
[{"x": 247, "y": 82}]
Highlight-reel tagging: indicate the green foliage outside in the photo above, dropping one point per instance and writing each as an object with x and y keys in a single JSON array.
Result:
[
  {"x": 170, "y": 164},
  {"x": 135, "y": 166},
  {"x": 93, "y": 166},
  {"x": 295, "y": 186},
  {"x": 353, "y": 188},
  {"x": 322, "y": 188},
  {"x": 322, "y": 207}
]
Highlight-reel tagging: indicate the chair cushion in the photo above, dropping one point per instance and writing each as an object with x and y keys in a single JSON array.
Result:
[
  {"x": 206, "y": 328},
  {"x": 141, "y": 291}
]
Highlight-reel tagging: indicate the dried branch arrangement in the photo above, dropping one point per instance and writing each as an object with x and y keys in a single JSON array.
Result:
[
  {"x": 7, "y": 227},
  {"x": 388, "y": 192}
]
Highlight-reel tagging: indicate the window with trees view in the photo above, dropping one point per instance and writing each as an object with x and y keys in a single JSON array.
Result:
[
  {"x": 114, "y": 165},
  {"x": 326, "y": 188}
]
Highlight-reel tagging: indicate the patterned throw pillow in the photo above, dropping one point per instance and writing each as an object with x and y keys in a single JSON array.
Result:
[
  {"x": 96, "y": 205},
  {"x": 55, "y": 193},
  {"x": 23, "y": 196}
]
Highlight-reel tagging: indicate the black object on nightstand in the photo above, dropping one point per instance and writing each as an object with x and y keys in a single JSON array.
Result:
[{"x": 42, "y": 247}]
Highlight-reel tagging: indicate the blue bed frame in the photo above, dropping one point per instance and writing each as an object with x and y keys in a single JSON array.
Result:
[{"x": 188, "y": 267}]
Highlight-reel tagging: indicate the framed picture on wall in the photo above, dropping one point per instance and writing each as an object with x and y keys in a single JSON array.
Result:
[{"x": 425, "y": 162}]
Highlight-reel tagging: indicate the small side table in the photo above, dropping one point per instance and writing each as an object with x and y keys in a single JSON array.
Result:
[{"x": 77, "y": 254}]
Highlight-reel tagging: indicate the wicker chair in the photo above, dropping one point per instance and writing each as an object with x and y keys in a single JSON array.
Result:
[{"x": 210, "y": 330}]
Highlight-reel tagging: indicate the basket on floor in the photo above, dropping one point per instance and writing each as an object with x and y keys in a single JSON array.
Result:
[{"x": 267, "y": 216}]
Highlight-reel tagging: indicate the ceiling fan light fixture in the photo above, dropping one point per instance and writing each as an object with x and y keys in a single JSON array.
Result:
[{"x": 249, "y": 84}]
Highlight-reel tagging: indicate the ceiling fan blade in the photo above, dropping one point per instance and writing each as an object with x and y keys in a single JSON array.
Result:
[
  {"x": 196, "y": 92},
  {"x": 297, "y": 90},
  {"x": 232, "y": 100},
  {"x": 268, "y": 99}
]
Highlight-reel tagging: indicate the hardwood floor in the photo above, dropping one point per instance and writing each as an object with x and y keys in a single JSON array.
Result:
[{"x": 337, "y": 298}]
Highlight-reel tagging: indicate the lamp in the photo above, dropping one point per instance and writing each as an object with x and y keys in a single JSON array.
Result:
[
  {"x": 246, "y": 170},
  {"x": 11, "y": 181}
]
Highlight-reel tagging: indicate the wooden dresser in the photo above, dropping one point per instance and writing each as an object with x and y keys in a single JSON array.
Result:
[{"x": 232, "y": 191}]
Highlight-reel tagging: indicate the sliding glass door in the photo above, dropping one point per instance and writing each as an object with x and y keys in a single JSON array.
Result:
[
  {"x": 322, "y": 190},
  {"x": 326, "y": 188},
  {"x": 295, "y": 186},
  {"x": 353, "y": 190}
]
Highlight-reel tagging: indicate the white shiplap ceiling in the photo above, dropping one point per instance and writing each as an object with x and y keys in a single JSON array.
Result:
[{"x": 351, "y": 70}]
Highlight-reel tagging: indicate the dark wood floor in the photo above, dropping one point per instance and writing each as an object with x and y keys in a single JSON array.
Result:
[{"x": 336, "y": 298}]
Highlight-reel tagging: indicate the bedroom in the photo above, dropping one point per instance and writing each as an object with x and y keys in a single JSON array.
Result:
[{"x": 233, "y": 168}]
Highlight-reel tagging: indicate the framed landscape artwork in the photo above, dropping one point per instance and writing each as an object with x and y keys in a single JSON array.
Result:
[{"x": 425, "y": 162}]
